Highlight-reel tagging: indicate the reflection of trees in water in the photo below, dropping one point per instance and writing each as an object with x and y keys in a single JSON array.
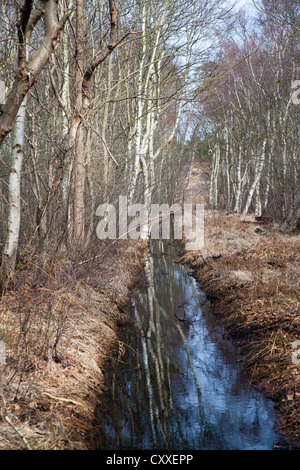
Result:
[
  {"x": 154, "y": 323},
  {"x": 173, "y": 388},
  {"x": 152, "y": 348},
  {"x": 163, "y": 358}
]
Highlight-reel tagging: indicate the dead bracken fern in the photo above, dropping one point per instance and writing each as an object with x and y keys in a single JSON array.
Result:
[
  {"x": 253, "y": 281},
  {"x": 58, "y": 331}
]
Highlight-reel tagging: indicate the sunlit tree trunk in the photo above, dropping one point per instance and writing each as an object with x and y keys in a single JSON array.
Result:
[
  {"x": 214, "y": 175},
  {"x": 79, "y": 150},
  {"x": 238, "y": 196},
  {"x": 106, "y": 157},
  {"x": 29, "y": 70},
  {"x": 14, "y": 210},
  {"x": 258, "y": 171}
]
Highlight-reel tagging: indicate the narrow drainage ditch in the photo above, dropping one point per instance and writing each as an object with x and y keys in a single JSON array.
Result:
[{"x": 179, "y": 384}]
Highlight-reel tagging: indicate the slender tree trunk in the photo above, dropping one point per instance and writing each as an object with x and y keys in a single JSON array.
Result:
[
  {"x": 258, "y": 172},
  {"x": 28, "y": 72},
  {"x": 227, "y": 165},
  {"x": 79, "y": 160},
  {"x": 75, "y": 137},
  {"x": 14, "y": 211},
  {"x": 65, "y": 96},
  {"x": 258, "y": 205},
  {"x": 104, "y": 129},
  {"x": 238, "y": 197},
  {"x": 292, "y": 212},
  {"x": 213, "y": 185},
  {"x": 139, "y": 112}
]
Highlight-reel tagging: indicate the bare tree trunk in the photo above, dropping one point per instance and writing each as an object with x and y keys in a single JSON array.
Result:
[
  {"x": 29, "y": 71},
  {"x": 70, "y": 141},
  {"x": 292, "y": 212},
  {"x": 138, "y": 134},
  {"x": 15, "y": 107},
  {"x": 14, "y": 212},
  {"x": 79, "y": 157},
  {"x": 258, "y": 172},
  {"x": 258, "y": 206},
  {"x": 104, "y": 129},
  {"x": 213, "y": 185},
  {"x": 238, "y": 196}
]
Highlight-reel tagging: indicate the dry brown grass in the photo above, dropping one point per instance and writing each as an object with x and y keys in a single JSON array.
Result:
[
  {"x": 58, "y": 333},
  {"x": 252, "y": 278}
]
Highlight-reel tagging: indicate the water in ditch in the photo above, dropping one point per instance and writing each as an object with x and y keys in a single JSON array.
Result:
[{"x": 179, "y": 384}]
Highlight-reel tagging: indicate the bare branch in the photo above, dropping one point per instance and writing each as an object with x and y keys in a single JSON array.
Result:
[{"x": 28, "y": 72}]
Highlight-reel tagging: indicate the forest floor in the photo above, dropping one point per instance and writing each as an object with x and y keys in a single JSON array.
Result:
[
  {"x": 251, "y": 275},
  {"x": 58, "y": 330}
]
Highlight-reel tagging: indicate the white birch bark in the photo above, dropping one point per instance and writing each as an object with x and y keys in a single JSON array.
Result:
[
  {"x": 104, "y": 128},
  {"x": 258, "y": 171},
  {"x": 238, "y": 196},
  {"x": 14, "y": 211},
  {"x": 258, "y": 205},
  {"x": 269, "y": 168},
  {"x": 227, "y": 166},
  {"x": 213, "y": 184},
  {"x": 139, "y": 111},
  {"x": 65, "y": 96}
]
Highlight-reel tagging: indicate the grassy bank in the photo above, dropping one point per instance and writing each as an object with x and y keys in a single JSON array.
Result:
[
  {"x": 58, "y": 328},
  {"x": 251, "y": 274}
]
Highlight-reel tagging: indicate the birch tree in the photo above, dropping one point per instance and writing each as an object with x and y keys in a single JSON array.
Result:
[
  {"x": 254, "y": 123},
  {"x": 14, "y": 110},
  {"x": 29, "y": 70},
  {"x": 9, "y": 253}
]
